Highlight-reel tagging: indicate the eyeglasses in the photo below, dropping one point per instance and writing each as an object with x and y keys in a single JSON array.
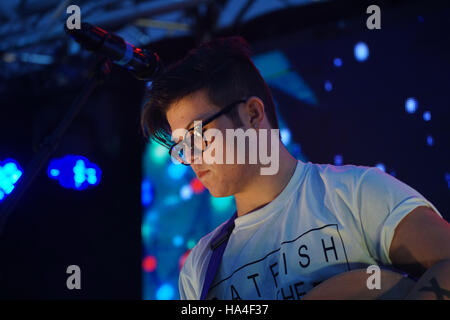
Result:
[{"x": 194, "y": 140}]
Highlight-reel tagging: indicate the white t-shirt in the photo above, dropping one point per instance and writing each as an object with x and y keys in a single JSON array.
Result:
[{"x": 327, "y": 220}]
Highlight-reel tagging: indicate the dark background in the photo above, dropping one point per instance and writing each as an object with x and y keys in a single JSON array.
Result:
[{"x": 363, "y": 118}]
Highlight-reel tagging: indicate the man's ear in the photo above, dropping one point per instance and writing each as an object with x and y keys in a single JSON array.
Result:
[{"x": 253, "y": 112}]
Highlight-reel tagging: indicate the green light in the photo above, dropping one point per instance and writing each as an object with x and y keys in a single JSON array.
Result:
[
  {"x": 145, "y": 230},
  {"x": 149, "y": 222},
  {"x": 156, "y": 153},
  {"x": 222, "y": 204},
  {"x": 190, "y": 244},
  {"x": 171, "y": 200}
]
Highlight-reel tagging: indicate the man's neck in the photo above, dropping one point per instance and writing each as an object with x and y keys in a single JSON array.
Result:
[{"x": 265, "y": 188}]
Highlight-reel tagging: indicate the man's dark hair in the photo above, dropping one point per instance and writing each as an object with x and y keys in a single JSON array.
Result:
[{"x": 223, "y": 68}]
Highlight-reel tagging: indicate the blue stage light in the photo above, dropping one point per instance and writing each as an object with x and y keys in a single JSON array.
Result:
[
  {"x": 36, "y": 58},
  {"x": 430, "y": 140},
  {"x": 296, "y": 150},
  {"x": 150, "y": 224},
  {"x": 74, "y": 172},
  {"x": 177, "y": 240},
  {"x": 337, "y": 62},
  {"x": 176, "y": 171},
  {"x": 338, "y": 160},
  {"x": 74, "y": 47},
  {"x": 411, "y": 105},
  {"x": 381, "y": 166},
  {"x": 276, "y": 69},
  {"x": 285, "y": 136},
  {"x": 92, "y": 179},
  {"x": 427, "y": 116},
  {"x": 54, "y": 172},
  {"x": 165, "y": 292},
  {"x": 186, "y": 192},
  {"x": 146, "y": 193},
  {"x": 361, "y": 51},
  {"x": 328, "y": 85},
  {"x": 10, "y": 173},
  {"x": 271, "y": 63}
]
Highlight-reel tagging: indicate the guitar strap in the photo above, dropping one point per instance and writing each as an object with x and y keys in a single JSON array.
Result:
[{"x": 217, "y": 245}]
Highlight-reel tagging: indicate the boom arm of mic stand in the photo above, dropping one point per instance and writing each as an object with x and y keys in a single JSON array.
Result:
[{"x": 101, "y": 68}]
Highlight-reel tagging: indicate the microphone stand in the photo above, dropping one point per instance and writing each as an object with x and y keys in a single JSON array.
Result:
[{"x": 99, "y": 71}]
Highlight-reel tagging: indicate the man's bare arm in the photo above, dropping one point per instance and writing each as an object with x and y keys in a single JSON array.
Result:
[{"x": 421, "y": 247}]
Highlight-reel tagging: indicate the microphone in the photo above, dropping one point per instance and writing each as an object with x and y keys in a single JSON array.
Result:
[{"x": 143, "y": 64}]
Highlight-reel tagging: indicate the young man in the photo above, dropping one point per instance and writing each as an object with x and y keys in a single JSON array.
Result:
[{"x": 305, "y": 222}]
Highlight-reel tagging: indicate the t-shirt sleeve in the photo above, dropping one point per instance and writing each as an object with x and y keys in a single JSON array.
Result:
[
  {"x": 190, "y": 281},
  {"x": 185, "y": 281},
  {"x": 382, "y": 202}
]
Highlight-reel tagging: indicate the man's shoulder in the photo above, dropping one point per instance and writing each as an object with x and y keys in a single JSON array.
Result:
[{"x": 339, "y": 172}]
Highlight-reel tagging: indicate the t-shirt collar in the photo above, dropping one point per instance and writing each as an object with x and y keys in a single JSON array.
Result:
[{"x": 261, "y": 214}]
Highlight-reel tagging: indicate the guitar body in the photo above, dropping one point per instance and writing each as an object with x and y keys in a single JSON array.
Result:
[{"x": 352, "y": 285}]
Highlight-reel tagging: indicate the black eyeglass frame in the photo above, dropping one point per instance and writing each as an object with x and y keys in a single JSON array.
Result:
[{"x": 206, "y": 122}]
